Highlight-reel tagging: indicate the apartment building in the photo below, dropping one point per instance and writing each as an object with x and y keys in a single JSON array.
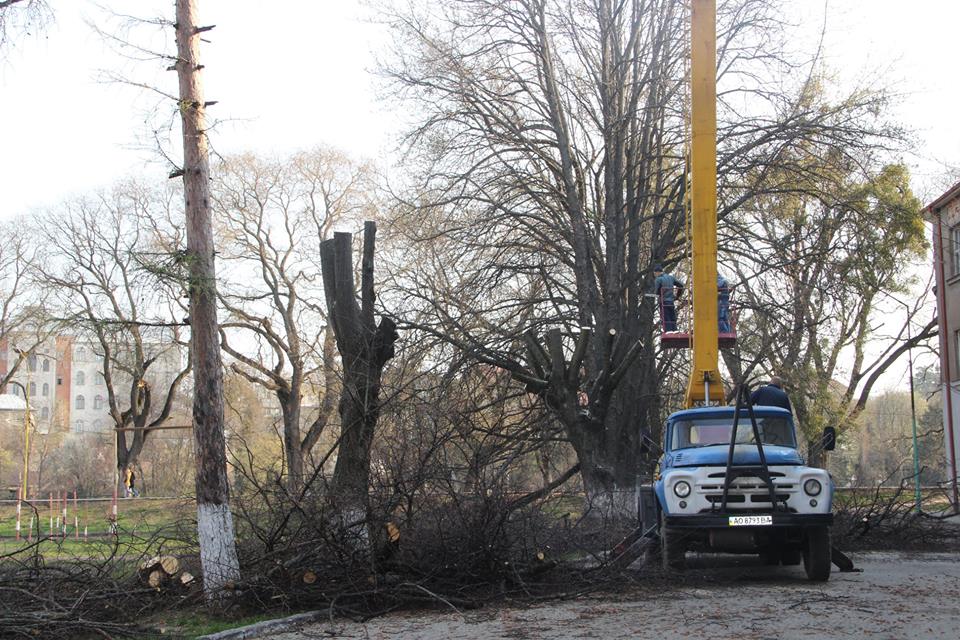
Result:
[
  {"x": 944, "y": 214},
  {"x": 63, "y": 377}
]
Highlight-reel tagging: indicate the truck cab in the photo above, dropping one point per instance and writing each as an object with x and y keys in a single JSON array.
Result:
[{"x": 772, "y": 504}]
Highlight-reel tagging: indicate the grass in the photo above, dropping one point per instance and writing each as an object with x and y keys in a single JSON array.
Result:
[{"x": 137, "y": 520}]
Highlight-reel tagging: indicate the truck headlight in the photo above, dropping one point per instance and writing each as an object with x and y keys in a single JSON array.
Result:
[
  {"x": 682, "y": 489},
  {"x": 812, "y": 487}
]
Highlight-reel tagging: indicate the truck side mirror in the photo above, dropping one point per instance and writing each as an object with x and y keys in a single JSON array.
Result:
[{"x": 829, "y": 439}]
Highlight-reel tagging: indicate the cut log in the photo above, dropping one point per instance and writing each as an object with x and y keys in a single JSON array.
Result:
[
  {"x": 170, "y": 565},
  {"x": 157, "y": 570},
  {"x": 309, "y": 577},
  {"x": 186, "y": 578},
  {"x": 157, "y": 578},
  {"x": 147, "y": 565}
]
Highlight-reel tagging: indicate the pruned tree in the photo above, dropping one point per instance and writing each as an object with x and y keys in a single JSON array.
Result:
[
  {"x": 274, "y": 214},
  {"x": 365, "y": 347},
  {"x": 549, "y": 175},
  {"x": 119, "y": 313},
  {"x": 218, "y": 551}
]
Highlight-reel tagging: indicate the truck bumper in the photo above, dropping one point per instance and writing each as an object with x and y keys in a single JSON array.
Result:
[{"x": 722, "y": 521}]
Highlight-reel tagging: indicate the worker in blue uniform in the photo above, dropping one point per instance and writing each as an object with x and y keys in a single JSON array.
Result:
[
  {"x": 723, "y": 305},
  {"x": 667, "y": 288},
  {"x": 771, "y": 395}
]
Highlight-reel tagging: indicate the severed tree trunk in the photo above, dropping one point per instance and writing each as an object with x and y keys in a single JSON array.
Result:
[
  {"x": 364, "y": 349},
  {"x": 218, "y": 552}
]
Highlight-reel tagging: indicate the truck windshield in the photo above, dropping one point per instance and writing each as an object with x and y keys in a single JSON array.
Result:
[{"x": 704, "y": 432}]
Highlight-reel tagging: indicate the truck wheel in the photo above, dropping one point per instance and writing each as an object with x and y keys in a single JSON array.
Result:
[
  {"x": 816, "y": 554},
  {"x": 672, "y": 551}
]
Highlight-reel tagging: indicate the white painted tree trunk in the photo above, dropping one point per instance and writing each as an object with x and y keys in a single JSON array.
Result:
[{"x": 218, "y": 553}]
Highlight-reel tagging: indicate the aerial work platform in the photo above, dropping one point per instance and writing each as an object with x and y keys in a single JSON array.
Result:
[{"x": 673, "y": 336}]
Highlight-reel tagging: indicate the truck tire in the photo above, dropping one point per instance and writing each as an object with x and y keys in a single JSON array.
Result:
[
  {"x": 672, "y": 550},
  {"x": 816, "y": 554}
]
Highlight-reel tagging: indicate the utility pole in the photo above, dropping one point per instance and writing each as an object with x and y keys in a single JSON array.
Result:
[{"x": 218, "y": 551}]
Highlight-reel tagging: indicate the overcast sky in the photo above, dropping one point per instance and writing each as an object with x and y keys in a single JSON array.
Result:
[{"x": 291, "y": 74}]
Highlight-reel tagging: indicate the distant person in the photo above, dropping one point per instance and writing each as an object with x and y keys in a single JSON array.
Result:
[
  {"x": 667, "y": 288},
  {"x": 128, "y": 481},
  {"x": 723, "y": 305},
  {"x": 771, "y": 395}
]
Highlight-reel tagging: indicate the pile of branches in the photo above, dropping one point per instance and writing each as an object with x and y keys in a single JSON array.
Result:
[
  {"x": 54, "y": 588},
  {"x": 887, "y": 518},
  {"x": 446, "y": 548}
]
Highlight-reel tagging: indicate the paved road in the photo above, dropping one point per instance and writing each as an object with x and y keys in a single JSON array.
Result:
[{"x": 897, "y": 596}]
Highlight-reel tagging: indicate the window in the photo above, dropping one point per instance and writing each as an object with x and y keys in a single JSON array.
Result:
[
  {"x": 81, "y": 379},
  {"x": 956, "y": 349},
  {"x": 46, "y": 365},
  {"x": 44, "y": 413},
  {"x": 59, "y": 381},
  {"x": 78, "y": 426},
  {"x": 99, "y": 380},
  {"x": 32, "y": 361},
  {"x": 98, "y": 425},
  {"x": 46, "y": 389},
  {"x": 955, "y": 250},
  {"x": 704, "y": 432},
  {"x": 81, "y": 354},
  {"x": 79, "y": 402},
  {"x": 33, "y": 389},
  {"x": 98, "y": 402}
]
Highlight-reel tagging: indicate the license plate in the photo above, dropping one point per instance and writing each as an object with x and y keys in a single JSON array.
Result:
[{"x": 750, "y": 521}]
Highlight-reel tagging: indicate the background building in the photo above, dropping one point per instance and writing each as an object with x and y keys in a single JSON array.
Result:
[
  {"x": 65, "y": 382},
  {"x": 944, "y": 214}
]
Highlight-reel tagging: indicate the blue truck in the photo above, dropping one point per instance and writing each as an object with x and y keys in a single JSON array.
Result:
[{"x": 742, "y": 490}]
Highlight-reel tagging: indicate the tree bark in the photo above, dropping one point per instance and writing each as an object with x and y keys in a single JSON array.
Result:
[
  {"x": 364, "y": 349},
  {"x": 218, "y": 553}
]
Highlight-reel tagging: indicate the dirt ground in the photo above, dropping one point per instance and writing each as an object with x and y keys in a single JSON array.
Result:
[{"x": 897, "y": 596}]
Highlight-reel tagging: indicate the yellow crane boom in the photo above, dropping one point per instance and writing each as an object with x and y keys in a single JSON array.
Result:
[{"x": 705, "y": 384}]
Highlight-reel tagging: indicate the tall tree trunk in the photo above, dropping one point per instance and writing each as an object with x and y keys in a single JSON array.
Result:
[
  {"x": 364, "y": 349},
  {"x": 218, "y": 552}
]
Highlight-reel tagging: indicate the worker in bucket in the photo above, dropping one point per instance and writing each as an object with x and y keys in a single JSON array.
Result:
[
  {"x": 723, "y": 305},
  {"x": 667, "y": 288}
]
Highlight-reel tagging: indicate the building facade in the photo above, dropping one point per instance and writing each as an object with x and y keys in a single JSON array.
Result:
[
  {"x": 63, "y": 377},
  {"x": 944, "y": 214}
]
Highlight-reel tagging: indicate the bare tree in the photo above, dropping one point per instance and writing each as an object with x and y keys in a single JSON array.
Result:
[
  {"x": 22, "y": 15},
  {"x": 549, "y": 176},
  {"x": 275, "y": 213},
  {"x": 218, "y": 553},
  {"x": 24, "y": 321},
  {"x": 118, "y": 312}
]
